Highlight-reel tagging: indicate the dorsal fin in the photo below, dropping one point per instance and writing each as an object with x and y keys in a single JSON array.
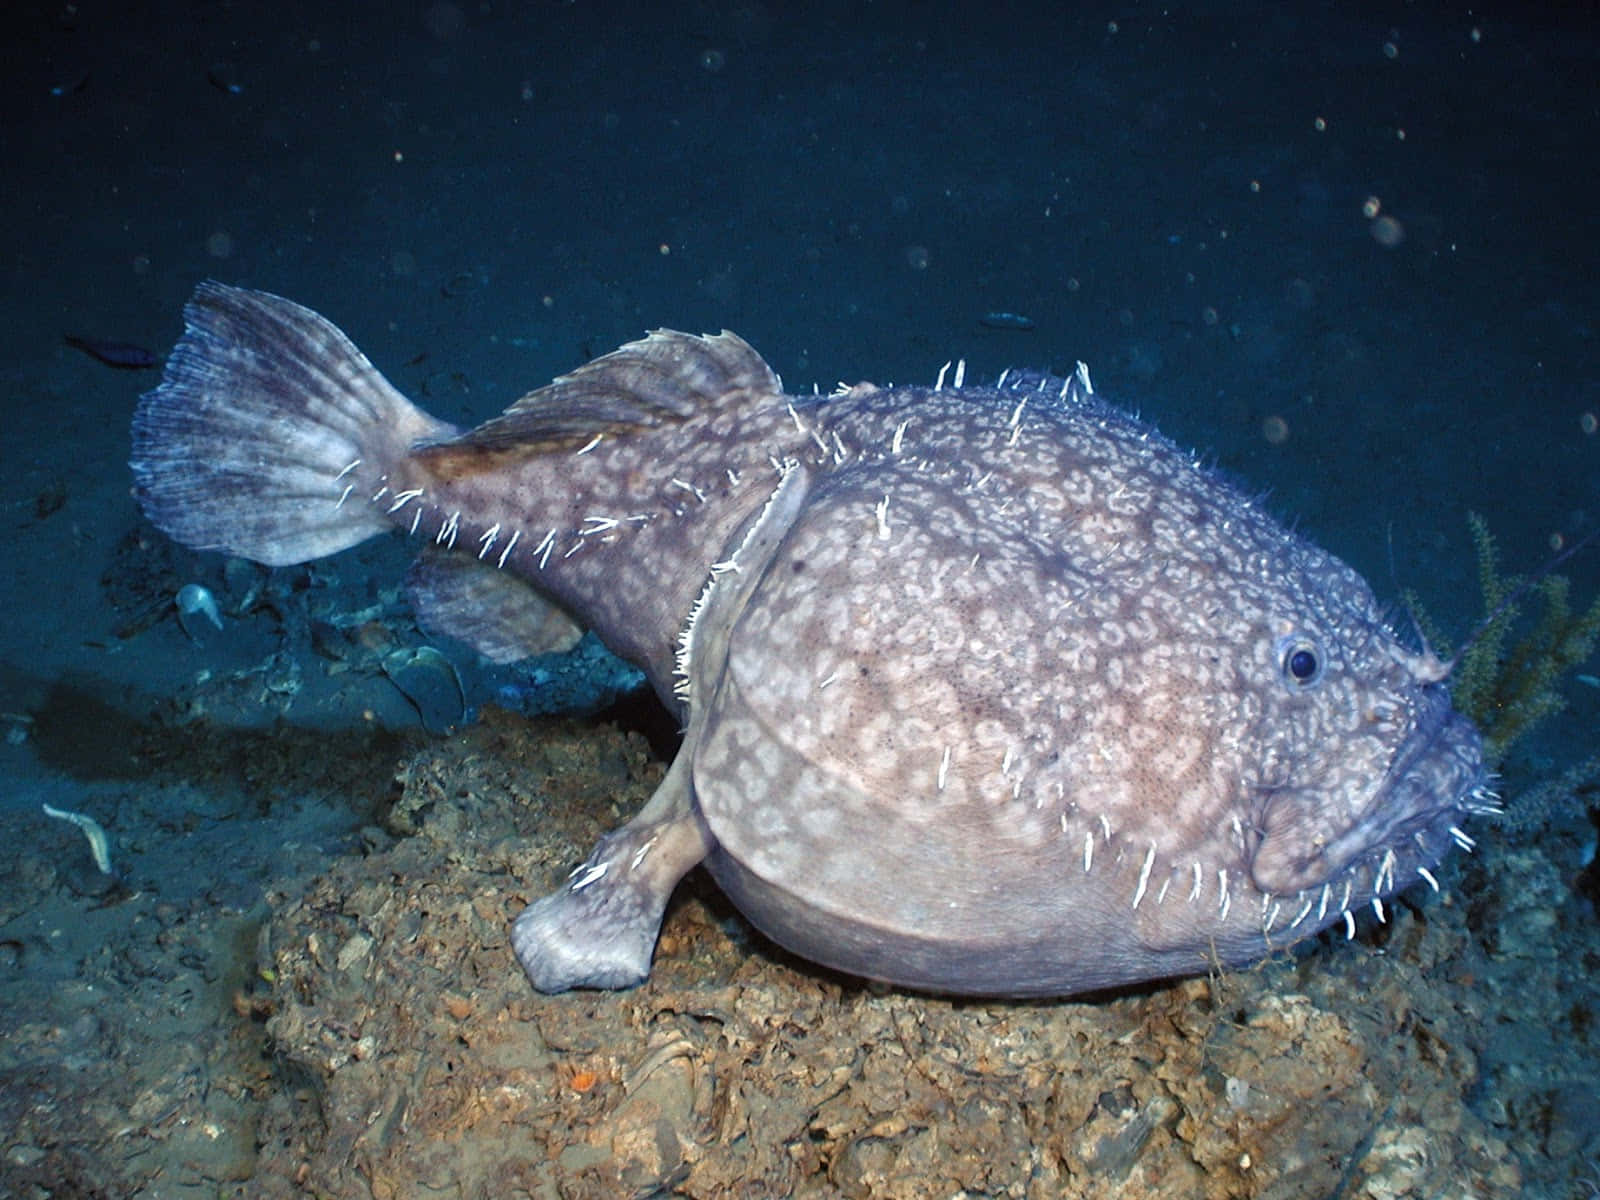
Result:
[{"x": 664, "y": 377}]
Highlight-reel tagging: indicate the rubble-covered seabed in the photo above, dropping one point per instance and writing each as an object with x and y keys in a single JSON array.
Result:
[{"x": 367, "y": 1033}]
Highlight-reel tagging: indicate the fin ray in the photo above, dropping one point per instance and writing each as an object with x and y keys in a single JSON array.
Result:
[
  {"x": 498, "y": 614},
  {"x": 263, "y": 408},
  {"x": 663, "y": 377}
]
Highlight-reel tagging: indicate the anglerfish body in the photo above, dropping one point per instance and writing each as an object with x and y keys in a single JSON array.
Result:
[{"x": 985, "y": 690}]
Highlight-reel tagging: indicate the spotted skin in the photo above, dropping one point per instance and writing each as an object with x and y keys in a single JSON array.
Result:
[{"x": 986, "y": 690}]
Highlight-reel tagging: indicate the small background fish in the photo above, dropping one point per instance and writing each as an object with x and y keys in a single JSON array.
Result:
[{"x": 124, "y": 355}]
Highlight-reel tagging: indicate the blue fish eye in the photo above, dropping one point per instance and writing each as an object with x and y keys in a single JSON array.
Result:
[{"x": 1302, "y": 662}]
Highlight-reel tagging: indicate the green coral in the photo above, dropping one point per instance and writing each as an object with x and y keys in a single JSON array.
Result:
[
  {"x": 1536, "y": 806},
  {"x": 1508, "y": 678}
]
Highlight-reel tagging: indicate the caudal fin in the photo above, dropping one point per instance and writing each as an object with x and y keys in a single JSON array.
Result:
[{"x": 263, "y": 412}]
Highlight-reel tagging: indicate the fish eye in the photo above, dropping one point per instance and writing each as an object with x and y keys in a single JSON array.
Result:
[{"x": 1301, "y": 659}]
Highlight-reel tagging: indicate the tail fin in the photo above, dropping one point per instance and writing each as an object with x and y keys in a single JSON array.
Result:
[{"x": 263, "y": 411}]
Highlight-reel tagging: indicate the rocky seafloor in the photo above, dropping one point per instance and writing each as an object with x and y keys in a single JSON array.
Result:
[{"x": 353, "y": 1023}]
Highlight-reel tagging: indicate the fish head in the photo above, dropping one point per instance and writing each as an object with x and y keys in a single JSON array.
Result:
[{"x": 1365, "y": 772}]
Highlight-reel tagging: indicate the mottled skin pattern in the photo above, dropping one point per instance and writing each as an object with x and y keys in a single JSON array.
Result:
[{"x": 986, "y": 690}]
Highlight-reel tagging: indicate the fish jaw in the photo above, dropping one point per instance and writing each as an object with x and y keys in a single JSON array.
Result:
[{"x": 1408, "y": 823}]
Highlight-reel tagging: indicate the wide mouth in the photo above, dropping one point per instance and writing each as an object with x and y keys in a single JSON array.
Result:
[
  {"x": 1407, "y": 825},
  {"x": 1434, "y": 775}
]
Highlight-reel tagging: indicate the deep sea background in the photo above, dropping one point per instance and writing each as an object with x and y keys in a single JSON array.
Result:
[{"x": 1346, "y": 251}]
